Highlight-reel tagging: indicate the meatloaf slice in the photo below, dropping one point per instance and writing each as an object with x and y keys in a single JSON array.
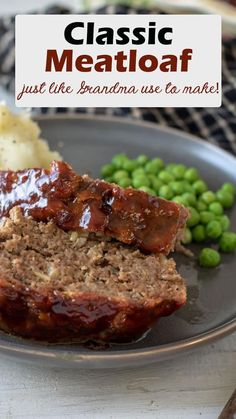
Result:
[
  {"x": 61, "y": 286},
  {"x": 79, "y": 203}
]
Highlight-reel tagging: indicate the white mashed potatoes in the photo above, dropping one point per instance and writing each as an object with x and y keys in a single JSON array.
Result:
[{"x": 20, "y": 144}]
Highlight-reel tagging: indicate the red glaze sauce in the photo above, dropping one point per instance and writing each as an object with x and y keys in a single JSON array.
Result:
[
  {"x": 52, "y": 317},
  {"x": 79, "y": 203}
]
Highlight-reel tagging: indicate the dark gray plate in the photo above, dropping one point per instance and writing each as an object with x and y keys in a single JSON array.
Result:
[{"x": 210, "y": 313}]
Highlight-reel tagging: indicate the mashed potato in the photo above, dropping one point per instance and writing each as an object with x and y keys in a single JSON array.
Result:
[{"x": 20, "y": 144}]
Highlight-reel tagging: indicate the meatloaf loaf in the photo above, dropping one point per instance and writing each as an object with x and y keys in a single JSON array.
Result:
[{"x": 68, "y": 286}]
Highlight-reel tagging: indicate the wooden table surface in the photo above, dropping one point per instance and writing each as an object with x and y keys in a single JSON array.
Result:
[{"x": 188, "y": 387}]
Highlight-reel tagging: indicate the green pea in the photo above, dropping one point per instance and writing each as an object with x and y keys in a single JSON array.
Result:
[
  {"x": 193, "y": 218},
  {"x": 187, "y": 187},
  {"x": 216, "y": 208},
  {"x": 208, "y": 197},
  {"x": 180, "y": 200},
  {"x": 125, "y": 182},
  {"x": 225, "y": 198},
  {"x": 199, "y": 187},
  {"x": 108, "y": 179},
  {"x": 228, "y": 242},
  {"x": 107, "y": 170},
  {"x": 165, "y": 192},
  {"x": 214, "y": 229},
  {"x": 199, "y": 233},
  {"x": 130, "y": 165},
  {"x": 151, "y": 167},
  {"x": 178, "y": 171},
  {"x": 159, "y": 162},
  {"x": 229, "y": 187},
  {"x": 151, "y": 177},
  {"x": 138, "y": 172},
  {"x": 120, "y": 174},
  {"x": 201, "y": 206},
  {"x": 118, "y": 160},
  {"x": 142, "y": 160},
  {"x": 165, "y": 176},
  {"x": 177, "y": 187},
  {"x": 147, "y": 190},
  {"x": 169, "y": 167},
  {"x": 140, "y": 181},
  {"x": 191, "y": 175},
  {"x": 156, "y": 184},
  {"x": 206, "y": 217},
  {"x": 209, "y": 258},
  {"x": 191, "y": 198},
  {"x": 225, "y": 222},
  {"x": 154, "y": 166},
  {"x": 187, "y": 236}
]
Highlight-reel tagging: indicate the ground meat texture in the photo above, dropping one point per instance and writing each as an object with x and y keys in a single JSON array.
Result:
[
  {"x": 79, "y": 203},
  {"x": 61, "y": 286}
]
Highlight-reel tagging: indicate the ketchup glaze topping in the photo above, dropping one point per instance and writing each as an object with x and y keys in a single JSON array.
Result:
[{"x": 75, "y": 202}]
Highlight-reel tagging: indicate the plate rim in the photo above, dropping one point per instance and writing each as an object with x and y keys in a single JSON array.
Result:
[
  {"x": 145, "y": 124},
  {"x": 147, "y": 354}
]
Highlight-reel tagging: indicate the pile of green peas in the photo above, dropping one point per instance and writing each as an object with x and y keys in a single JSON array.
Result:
[{"x": 207, "y": 220}]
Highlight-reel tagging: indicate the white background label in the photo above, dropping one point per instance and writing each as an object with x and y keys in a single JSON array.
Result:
[{"x": 200, "y": 86}]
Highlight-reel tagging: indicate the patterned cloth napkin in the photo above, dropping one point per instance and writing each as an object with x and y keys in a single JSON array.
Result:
[{"x": 216, "y": 125}]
